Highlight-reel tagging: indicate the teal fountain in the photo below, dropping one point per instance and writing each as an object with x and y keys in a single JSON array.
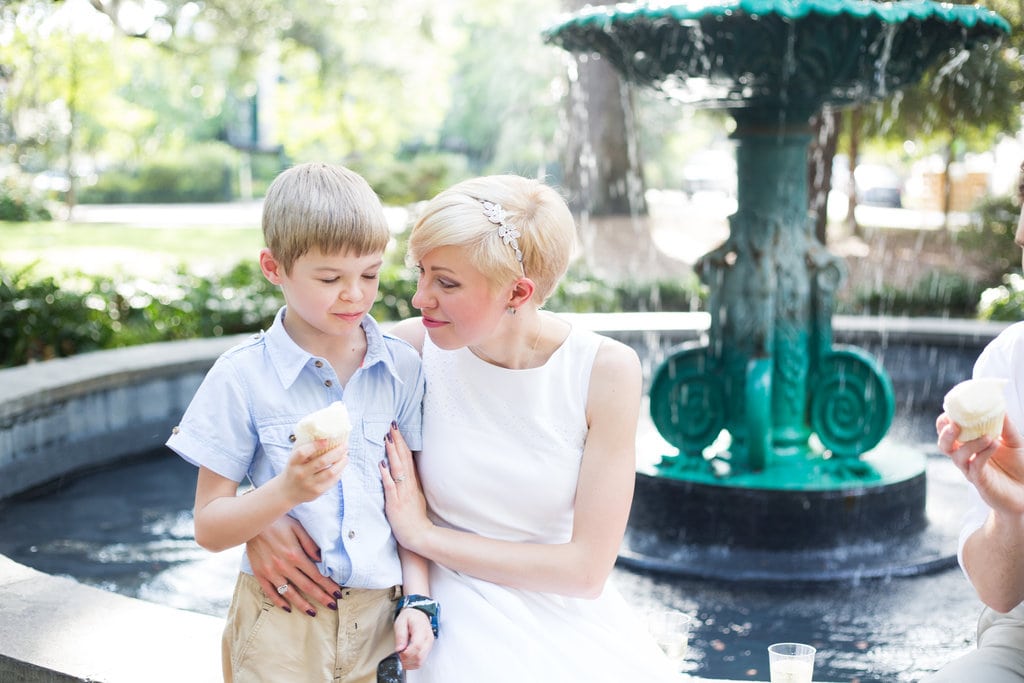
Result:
[{"x": 782, "y": 470}]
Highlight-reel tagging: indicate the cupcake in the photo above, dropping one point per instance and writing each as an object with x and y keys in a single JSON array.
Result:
[
  {"x": 977, "y": 406},
  {"x": 330, "y": 423}
]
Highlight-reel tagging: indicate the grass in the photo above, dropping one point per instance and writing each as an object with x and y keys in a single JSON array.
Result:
[{"x": 105, "y": 248}]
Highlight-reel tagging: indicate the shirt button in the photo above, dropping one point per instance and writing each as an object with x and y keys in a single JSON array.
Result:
[
  {"x": 175, "y": 430},
  {"x": 319, "y": 363},
  {"x": 291, "y": 437},
  {"x": 351, "y": 534},
  {"x": 328, "y": 383}
]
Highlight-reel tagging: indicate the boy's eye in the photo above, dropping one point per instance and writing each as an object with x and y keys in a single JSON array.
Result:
[
  {"x": 371, "y": 276},
  {"x": 328, "y": 280}
]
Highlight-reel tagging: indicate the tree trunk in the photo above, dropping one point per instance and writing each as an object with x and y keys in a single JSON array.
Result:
[
  {"x": 947, "y": 185},
  {"x": 856, "y": 114},
  {"x": 825, "y": 129},
  {"x": 602, "y": 168},
  {"x": 602, "y": 162}
]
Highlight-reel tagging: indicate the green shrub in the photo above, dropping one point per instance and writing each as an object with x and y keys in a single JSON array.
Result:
[
  {"x": 19, "y": 202},
  {"x": 940, "y": 294},
  {"x": 405, "y": 181},
  {"x": 205, "y": 172},
  {"x": 40, "y": 320},
  {"x": 1005, "y": 302},
  {"x": 990, "y": 235}
]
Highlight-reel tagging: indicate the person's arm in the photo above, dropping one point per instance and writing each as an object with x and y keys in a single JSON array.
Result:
[
  {"x": 414, "y": 636},
  {"x": 224, "y": 519},
  {"x": 993, "y": 556},
  {"x": 579, "y": 567}
]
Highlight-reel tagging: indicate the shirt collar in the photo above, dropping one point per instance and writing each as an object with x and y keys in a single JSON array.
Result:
[{"x": 288, "y": 358}]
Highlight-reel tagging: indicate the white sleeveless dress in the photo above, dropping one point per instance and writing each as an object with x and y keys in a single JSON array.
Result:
[{"x": 501, "y": 458}]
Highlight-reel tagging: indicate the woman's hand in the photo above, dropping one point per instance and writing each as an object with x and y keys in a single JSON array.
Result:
[
  {"x": 413, "y": 637},
  {"x": 283, "y": 555},
  {"x": 994, "y": 466},
  {"x": 404, "y": 503}
]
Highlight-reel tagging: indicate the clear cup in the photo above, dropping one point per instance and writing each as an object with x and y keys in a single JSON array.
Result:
[
  {"x": 791, "y": 662},
  {"x": 671, "y": 630}
]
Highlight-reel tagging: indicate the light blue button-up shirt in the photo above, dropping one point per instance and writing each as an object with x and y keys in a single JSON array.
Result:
[{"x": 241, "y": 420}]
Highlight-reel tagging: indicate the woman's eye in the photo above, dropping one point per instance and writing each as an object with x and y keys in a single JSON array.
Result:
[
  {"x": 371, "y": 276},
  {"x": 328, "y": 281}
]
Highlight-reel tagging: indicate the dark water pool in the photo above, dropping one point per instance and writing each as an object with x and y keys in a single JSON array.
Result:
[{"x": 129, "y": 529}]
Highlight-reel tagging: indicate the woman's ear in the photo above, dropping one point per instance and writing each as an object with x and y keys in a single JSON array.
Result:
[
  {"x": 272, "y": 270},
  {"x": 522, "y": 291}
]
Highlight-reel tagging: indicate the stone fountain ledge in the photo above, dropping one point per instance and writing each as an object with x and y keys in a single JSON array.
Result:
[{"x": 62, "y": 417}]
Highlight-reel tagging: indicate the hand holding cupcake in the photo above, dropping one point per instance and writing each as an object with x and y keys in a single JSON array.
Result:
[{"x": 977, "y": 406}]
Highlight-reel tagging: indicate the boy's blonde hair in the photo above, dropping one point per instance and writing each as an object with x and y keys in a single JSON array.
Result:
[
  {"x": 324, "y": 207},
  {"x": 547, "y": 232}
]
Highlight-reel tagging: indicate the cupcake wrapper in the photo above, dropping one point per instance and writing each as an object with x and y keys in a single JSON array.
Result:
[{"x": 992, "y": 427}]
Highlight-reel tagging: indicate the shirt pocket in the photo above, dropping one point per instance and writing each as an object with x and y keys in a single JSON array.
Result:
[
  {"x": 374, "y": 429},
  {"x": 278, "y": 439}
]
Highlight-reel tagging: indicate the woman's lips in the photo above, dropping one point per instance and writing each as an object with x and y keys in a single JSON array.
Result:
[{"x": 431, "y": 323}]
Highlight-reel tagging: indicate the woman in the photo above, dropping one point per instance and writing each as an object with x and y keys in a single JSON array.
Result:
[{"x": 529, "y": 451}]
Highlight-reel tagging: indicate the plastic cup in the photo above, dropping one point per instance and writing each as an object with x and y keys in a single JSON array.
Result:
[
  {"x": 791, "y": 662},
  {"x": 671, "y": 630}
]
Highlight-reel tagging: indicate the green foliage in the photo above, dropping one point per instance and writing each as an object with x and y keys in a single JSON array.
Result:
[
  {"x": 401, "y": 182},
  {"x": 43, "y": 317},
  {"x": 202, "y": 173},
  {"x": 1005, "y": 302},
  {"x": 991, "y": 234},
  {"x": 40, "y": 320},
  {"x": 18, "y": 202},
  {"x": 581, "y": 292},
  {"x": 940, "y": 294}
]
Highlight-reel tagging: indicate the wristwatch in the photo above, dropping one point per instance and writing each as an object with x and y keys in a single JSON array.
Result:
[{"x": 425, "y": 604}]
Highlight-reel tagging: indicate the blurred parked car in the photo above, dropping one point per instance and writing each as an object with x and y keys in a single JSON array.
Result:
[{"x": 878, "y": 185}]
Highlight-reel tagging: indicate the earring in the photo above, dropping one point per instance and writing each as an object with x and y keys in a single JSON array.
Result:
[{"x": 511, "y": 310}]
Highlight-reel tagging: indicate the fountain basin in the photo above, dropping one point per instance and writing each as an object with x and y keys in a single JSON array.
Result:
[{"x": 776, "y": 55}]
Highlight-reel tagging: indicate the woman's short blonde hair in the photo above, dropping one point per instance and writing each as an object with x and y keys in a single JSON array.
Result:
[
  {"x": 547, "y": 232},
  {"x": 325, "y": 207}
]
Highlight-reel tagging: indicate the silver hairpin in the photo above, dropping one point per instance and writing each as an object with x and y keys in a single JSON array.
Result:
[{"x": 508, "y": 233}]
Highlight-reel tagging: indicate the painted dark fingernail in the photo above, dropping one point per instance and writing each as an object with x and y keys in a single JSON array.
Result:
[
  {"x": 394, "y": 425},
  {"x": 287, "y": 609},
  {"x": 311, "y": 612},
  {"x": 388, "y": 437},
  {"x": 332, "y": 606},
  {"x": 337, "y": 595}
]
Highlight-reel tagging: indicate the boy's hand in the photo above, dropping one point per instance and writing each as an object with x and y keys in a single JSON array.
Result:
[
  {"x": 312, "y": 469},
  {"x": 413, "y": 637}
]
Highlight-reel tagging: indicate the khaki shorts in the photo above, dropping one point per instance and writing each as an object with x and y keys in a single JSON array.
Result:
[
  {"x": 999, "y": 657},
  {"x": 263, "y": 643}
]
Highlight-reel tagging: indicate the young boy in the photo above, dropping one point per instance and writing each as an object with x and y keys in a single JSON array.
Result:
[{"x": 325, "y": 234}]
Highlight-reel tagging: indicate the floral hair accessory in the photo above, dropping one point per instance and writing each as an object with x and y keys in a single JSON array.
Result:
[{"x": 508, "y": 233}]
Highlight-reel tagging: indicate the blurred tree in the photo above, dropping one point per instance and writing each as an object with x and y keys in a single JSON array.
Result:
[
  {"x": 603, "y": 166},
  {"x": 964, "y": 103}
]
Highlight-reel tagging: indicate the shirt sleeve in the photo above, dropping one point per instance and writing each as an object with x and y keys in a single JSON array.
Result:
[
  {"x": 217, "y": 431},
  {"x": 999, "y": 358}
]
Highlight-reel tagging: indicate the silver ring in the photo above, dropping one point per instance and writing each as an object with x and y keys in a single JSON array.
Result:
[
  {"x": 282, "y": 589},
  {"x": 400, "y": 478}
]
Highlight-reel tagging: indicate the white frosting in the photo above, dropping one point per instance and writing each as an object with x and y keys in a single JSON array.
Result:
[
  {"x": 977, "y": 405},
  {"x": 330, "y": 423}
]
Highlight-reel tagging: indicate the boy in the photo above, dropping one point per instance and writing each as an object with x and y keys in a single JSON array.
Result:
[{"x": 325, "y": 234}]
